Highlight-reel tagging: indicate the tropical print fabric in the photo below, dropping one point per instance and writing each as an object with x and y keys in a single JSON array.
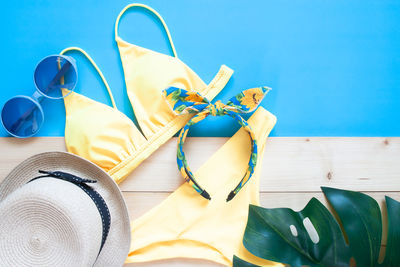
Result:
[{"x": 182, "y": 102}]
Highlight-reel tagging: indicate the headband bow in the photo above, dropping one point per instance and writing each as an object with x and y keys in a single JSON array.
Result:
[{"x": 183, "y": 102}]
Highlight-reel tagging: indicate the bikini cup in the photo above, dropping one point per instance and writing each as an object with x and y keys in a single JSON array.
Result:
[{"x": 110, "y": 139}]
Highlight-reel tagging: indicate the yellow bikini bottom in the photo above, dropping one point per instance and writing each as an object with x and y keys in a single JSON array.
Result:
[{"x": 185, "y": 225}]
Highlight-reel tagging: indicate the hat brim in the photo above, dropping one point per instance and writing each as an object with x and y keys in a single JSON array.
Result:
[{"x": 116, "y": 247}]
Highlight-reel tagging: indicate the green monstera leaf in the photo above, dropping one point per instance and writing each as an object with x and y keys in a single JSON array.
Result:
[
  {"x": 237, "y": 262},
  {"x": 283, "y": 235}
]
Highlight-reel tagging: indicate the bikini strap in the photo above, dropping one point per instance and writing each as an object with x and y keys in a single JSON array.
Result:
[
  {"x": 78, "y": 49},
  {"x": 152, "y": 11}
]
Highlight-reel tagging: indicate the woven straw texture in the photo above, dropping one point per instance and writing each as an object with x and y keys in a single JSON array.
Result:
[{"x": 50, "y": 222}]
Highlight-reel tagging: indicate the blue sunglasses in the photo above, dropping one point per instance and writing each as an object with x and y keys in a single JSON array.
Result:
[{"x": 55, "y": 77}]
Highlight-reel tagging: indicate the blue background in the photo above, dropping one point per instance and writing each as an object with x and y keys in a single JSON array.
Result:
[{"x": 334, "y": 66}]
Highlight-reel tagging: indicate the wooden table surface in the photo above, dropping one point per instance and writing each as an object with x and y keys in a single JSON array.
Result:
[{"x": 294, "y": 168}]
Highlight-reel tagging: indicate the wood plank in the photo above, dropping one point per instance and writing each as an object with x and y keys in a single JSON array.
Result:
[
  {"x": 141, "y": 202},
  {"x": 14, "y": 150},
  {"x": 175, "y": 263},
  {"x": 290, "y": 164},
  {"x": 294, "y": 168},
  {"x": 293, "y": 164}
]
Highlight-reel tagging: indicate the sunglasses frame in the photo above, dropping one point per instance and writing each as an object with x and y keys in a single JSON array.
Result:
[{"x": 39, "y": 95}]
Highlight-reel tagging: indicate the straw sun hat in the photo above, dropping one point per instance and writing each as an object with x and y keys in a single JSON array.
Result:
[{"x": 63, "y": 218}]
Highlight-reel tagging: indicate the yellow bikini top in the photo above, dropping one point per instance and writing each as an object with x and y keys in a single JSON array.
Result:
[{"x": 110, "y": 139}]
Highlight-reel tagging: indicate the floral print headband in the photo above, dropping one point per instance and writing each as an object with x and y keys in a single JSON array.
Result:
[{"x": 183, "y": 102}]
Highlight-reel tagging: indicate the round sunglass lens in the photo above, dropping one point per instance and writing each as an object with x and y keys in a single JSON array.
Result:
[
  {"x": 22, "y": 116},
  {"x": 55, "y": 76}
]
